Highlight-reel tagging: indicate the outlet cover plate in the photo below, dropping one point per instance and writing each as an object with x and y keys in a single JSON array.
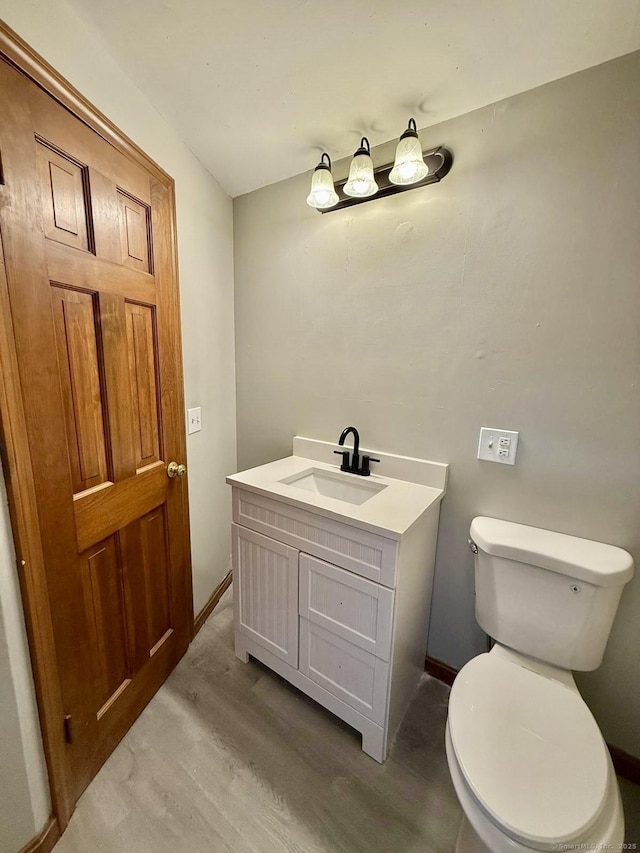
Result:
[{"x": 498, "y": 445}]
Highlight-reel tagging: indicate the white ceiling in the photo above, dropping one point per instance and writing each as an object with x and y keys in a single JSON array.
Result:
[{"x": 258, "y": 88}]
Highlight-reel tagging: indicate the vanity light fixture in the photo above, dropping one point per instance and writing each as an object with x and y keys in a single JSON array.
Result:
[
  {"x": 409, "y": 166},
  {"x": 322, "y": 195},
  {"x": 361, "y": 182},
  {"x": 411, "y": 169}
]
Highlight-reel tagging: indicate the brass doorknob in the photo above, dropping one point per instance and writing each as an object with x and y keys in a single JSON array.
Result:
[{"x": 176, "y": 470}]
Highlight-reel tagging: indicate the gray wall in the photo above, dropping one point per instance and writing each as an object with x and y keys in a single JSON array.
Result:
[{"x": 505, "y": 296}]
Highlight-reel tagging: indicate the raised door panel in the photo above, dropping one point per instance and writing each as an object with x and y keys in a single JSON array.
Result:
[
  {"x": 266, "y": 593},
  {"x": 104, "y": 595},
  {"x": 153, "y": 534},
  {"x": 64, "y": 190},
  {"x": 79, "y": 362},
  {"x": 135, "y": 232},
  {"x": 357, "y": 677},
  {"x": 141, "y": 343},
  {"x": 351, "y": 607},
  {"x": 147, "y": 585}
]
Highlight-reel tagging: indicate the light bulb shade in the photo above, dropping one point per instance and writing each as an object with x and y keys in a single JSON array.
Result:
[
  {"x": 361, "y": 182},
  {"x": 323, "y": 194},
  {"x": 409, "y": 166}
]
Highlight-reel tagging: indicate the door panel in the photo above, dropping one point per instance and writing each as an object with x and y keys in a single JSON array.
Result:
[
  {"x": 65, "y": 208},
  {"x": 142, "y": 350},
  {"x": 135, "y": 232},
  {"x": 91, "y": 278},
  {"x": 153, "y": 538},
  {"x": 104, "y": 593},
  {"x": 80, "y": 369}
]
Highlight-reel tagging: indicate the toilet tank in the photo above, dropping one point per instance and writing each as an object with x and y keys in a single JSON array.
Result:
[{"x": 548, "y": 595}]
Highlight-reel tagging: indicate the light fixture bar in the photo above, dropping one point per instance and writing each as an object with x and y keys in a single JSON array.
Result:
[{"x": 439, "y": 160}]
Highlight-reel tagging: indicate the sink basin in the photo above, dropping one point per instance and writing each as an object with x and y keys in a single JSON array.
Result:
[{"x": 340, "y": 487}]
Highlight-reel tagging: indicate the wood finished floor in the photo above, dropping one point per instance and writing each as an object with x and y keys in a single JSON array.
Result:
[{"x": 229, "y": 757}]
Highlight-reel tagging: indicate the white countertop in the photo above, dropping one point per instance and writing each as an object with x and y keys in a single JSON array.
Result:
[{"x": 390, "y": 512}]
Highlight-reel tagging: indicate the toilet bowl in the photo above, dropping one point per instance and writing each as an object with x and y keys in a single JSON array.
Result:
[{"x": 527, "y": 760}]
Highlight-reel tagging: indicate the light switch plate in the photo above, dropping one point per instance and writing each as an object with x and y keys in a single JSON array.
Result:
[
  {"x": 498, "y": 445},
  {"x": 194, "y": 420}
]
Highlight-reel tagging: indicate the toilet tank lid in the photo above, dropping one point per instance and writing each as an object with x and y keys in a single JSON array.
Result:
[{"x": 583, "y": 559}]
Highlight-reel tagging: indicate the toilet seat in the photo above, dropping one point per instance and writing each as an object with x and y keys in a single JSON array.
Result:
[{"x": 508, "y": 723}]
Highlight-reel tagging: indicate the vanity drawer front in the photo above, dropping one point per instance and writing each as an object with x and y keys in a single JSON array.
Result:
[
  {"x": 347, "y": 605},
  {"x": 364, "y": 553},
  {"x": 356, "y": 677}
]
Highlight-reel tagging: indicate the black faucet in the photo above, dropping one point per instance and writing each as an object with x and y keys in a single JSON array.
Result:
[{"x": 354, "y": 466}]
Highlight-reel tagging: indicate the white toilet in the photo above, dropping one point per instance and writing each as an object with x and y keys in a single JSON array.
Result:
[{"x": 527, "y": 759}]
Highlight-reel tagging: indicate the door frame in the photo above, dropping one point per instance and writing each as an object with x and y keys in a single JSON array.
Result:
[{"x": 14, "y": 449}]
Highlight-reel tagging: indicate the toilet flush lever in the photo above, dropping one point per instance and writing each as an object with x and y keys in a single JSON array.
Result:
[{"x": 472, "y": 546}]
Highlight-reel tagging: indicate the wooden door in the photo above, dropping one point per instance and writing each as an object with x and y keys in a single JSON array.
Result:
[
  {"x": 89, "y": 261},
  {"x": 265, "y": 581}
]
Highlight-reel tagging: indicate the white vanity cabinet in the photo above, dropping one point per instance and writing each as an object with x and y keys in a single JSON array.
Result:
[{"x": 339, "y": 610}]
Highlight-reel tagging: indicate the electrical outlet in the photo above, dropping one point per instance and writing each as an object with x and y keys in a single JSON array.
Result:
[
  {"x": 498, "y": 445},
  {"x": 194, "y": 420}
]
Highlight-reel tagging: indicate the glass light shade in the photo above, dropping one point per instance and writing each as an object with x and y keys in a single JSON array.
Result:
[
  {"x": 409, "y": 166},
  {"x": 323, "y": 194},
  {"x": 361, "y": 182}
]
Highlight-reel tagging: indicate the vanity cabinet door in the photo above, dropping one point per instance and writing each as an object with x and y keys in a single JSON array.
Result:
[{"x": 265, "y": 580}]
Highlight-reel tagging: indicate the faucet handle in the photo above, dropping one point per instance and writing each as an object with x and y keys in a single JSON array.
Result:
[
  {"x": 364, "y": 471},
  {"x": 345, "y": 459}
]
